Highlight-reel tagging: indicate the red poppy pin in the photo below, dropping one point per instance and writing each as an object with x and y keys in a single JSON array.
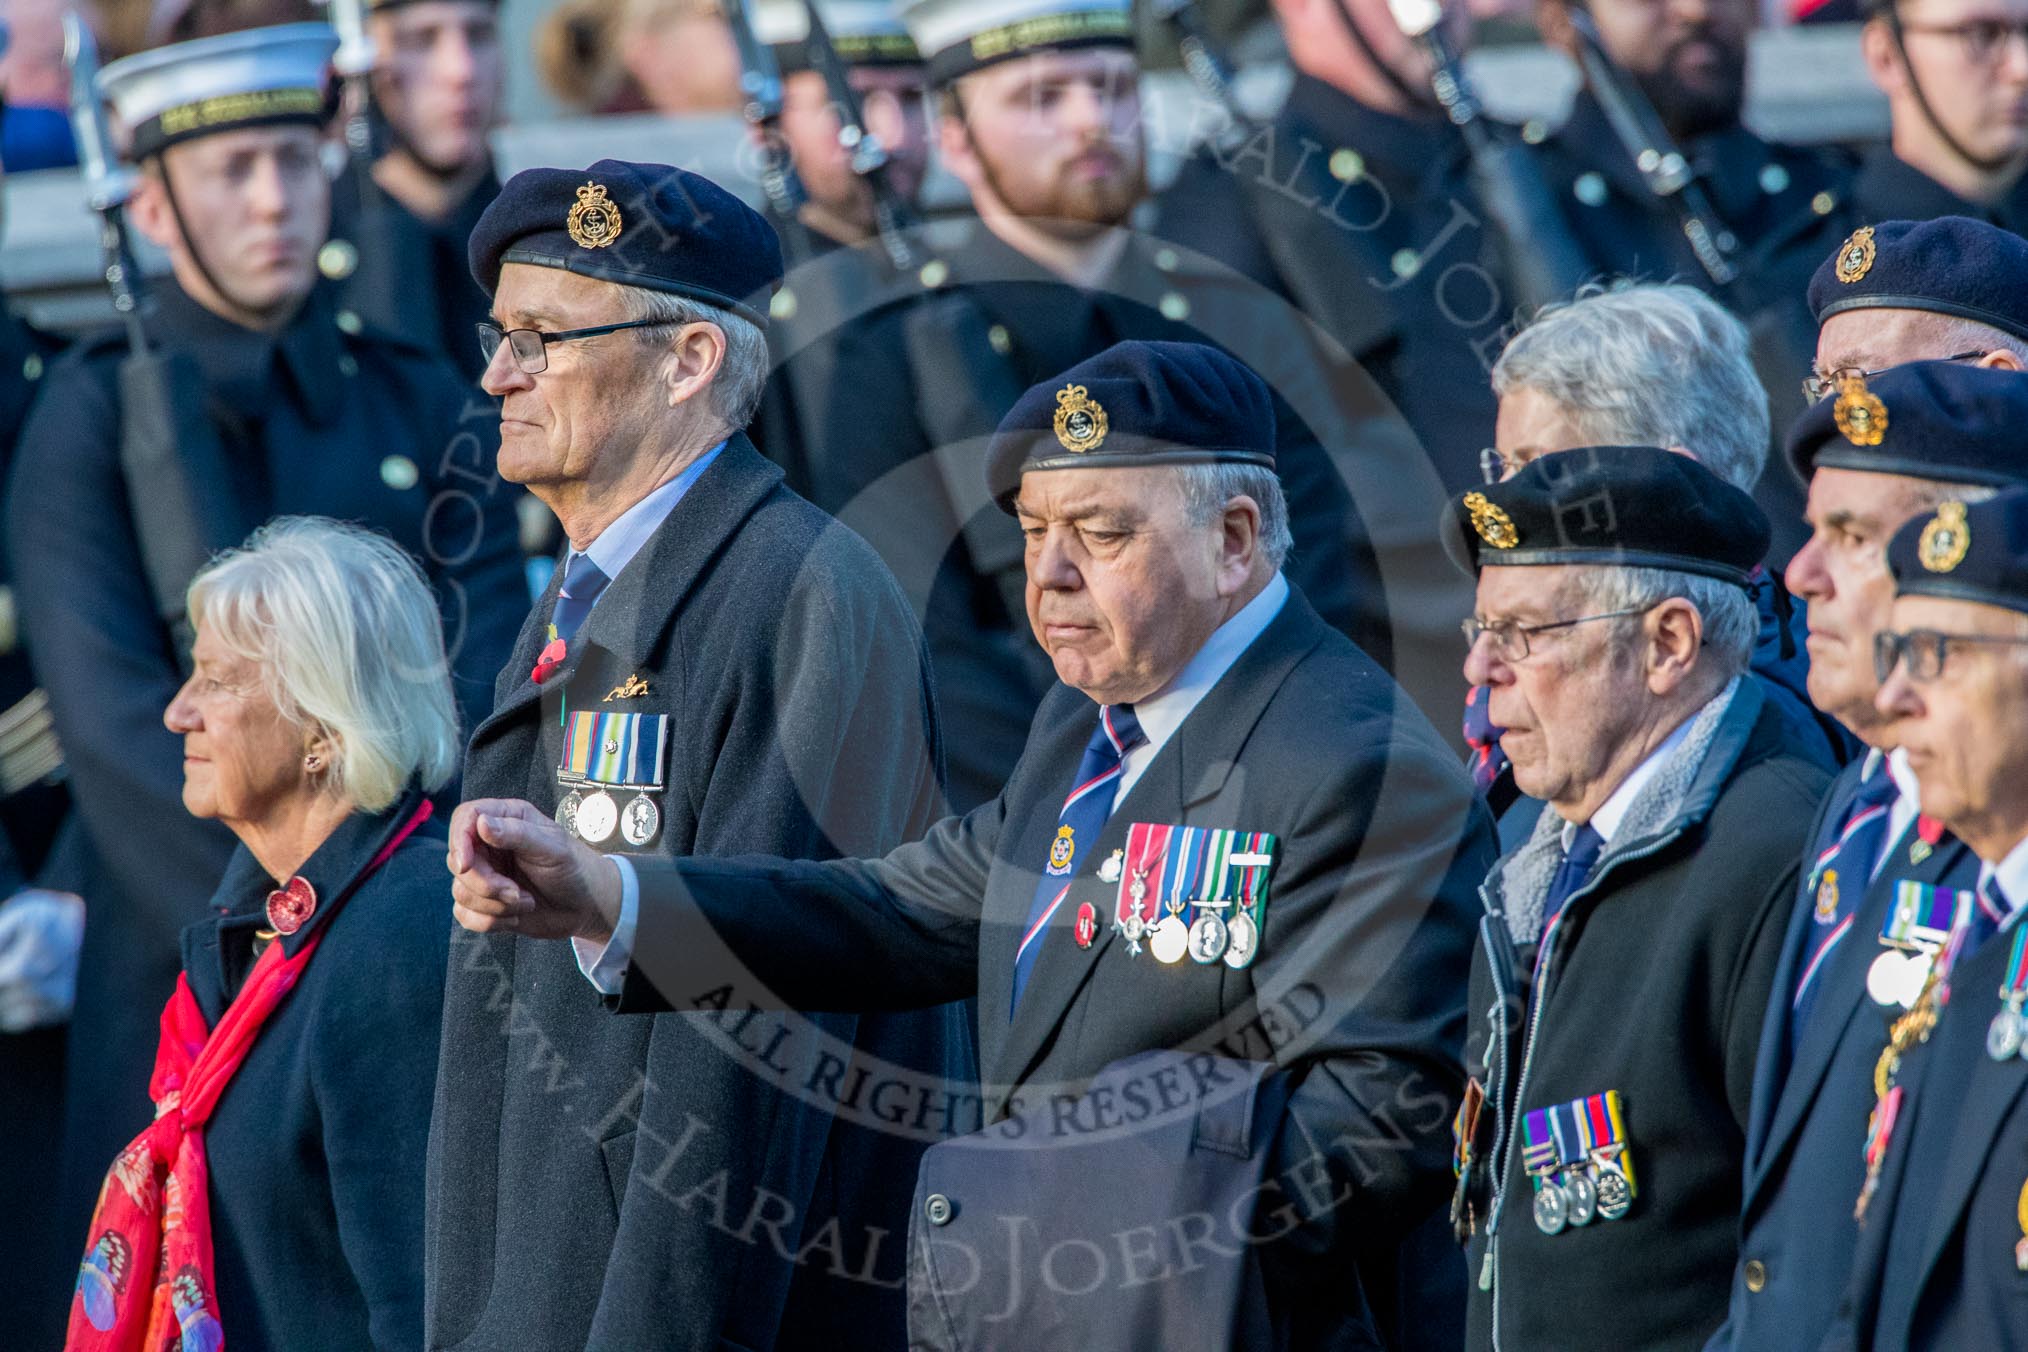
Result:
[{"x": 550, "y": 659}]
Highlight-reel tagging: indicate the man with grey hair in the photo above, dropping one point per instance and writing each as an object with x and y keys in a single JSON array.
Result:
[
  {"x": 717, "y": 668},
  {"x": 1223, "y": 806},
  {"x": 1630, "y": 941},
  {"x": 1647, "y": 365}
]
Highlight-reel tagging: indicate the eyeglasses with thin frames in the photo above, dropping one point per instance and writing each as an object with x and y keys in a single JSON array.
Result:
[
  {"x": 1983, "y": 41},
  {"x": 1510, "y": 639},
  {"x": 1924, "y": 650},
  {"x": 531, "y": 346},
  {"x": 1816, "y": 386}
]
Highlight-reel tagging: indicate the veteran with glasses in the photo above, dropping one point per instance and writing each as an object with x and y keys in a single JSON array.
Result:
[
  {"x": 1630, "y": 939},
  {"x": 716, "y": 668},
  {"x": 1945, "y": 1247}
]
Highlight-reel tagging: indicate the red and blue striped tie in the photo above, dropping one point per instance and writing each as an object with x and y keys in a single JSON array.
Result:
[
  {"x": 1084, "y": 814},
  {"x": 1850, "y": 856}
]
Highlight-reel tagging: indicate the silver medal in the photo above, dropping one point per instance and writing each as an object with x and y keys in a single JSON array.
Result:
[
  {"x": 1583, "y": 1197},
  {"x": 1169, "y": 940},
  {"x": 1552, "y": 1208},
  {"x": 1242, "y": 940},
  {"x": 1208, "y": 938},
  {"x": 1133, "y": 927},
  {"x": 566, "y": 811},
  {"x": 1614, "y": 1196},
  {"x": 1887, "y": 976},
  {"x": 597, "y": 815},
  {"x": 2003, "y": 1035},
  {"x": 1109, "y": 871},
  {"x": 640, "y": 820}
]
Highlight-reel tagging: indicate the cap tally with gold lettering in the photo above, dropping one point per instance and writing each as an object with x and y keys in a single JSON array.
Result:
[
  {"x": 252, "y": 78},
  {"x": 645, "y": 225},
  {"x": 1134, "y": 404},
  {"x": 1616, "y": 506},
  {"x": 1966, "y": 552},
  {"x": 958, "y": 37},
  {"x": 863, "y": 32}
]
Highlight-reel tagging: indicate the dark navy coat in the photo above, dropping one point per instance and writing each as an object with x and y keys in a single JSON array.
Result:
[
  {"x": 314, "y": 419},
  {"x": 651, "y": 1183},
  {"x": 1805, "y": 1138},
  {"x": 1356, "y": 993},
  {"x": 316, "y": 1146}
]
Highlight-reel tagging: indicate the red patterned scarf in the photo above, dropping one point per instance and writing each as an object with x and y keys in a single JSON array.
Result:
[{"x": 147, "y": 1280}]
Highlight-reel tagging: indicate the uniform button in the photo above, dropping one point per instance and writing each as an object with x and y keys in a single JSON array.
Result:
[
  {"x": 1590, "y": 189},
  {"x": 935, "y": 273},
  {"x": 1347, "y": 165},
  {"x": 349, "y": 322},
  {"x": 1534, "y": 131},
  {"x": 399, "y": 473},
  {"x": 347, "y": 366},
  {"x": 337, "y": 259},
  {"x": 939, "y": 1209},
  {"x": 1166, "y": 260},
  {"x": 783, "y": 306},
  {"x": 1773, "y": 179},
  {"x": 1756, "y": 1275},
  {"x": 1174, "y": 308},
  {"x": 1823, "y": 203},
  {"x": 31, "y": 366},
  {"x": 1405, "y": 262},
  {"x": 1002, "y": 341}
]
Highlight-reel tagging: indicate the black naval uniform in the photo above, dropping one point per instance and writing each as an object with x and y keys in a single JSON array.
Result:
[
  {"x": 323, "y": 417},
  {"x": 1366, "y": 223},
  {"x": 405, "y": 275}
]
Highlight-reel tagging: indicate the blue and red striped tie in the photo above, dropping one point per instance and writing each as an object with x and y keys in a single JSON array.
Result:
[
  {"x": 1850, "y": 856},
  {"x": 1084, "y": 814}
]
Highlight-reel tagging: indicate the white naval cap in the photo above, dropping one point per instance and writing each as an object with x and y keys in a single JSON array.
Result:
[
  {"x": 245, "y": 79},
  {"x": 960, "y": 36},
  {"x": 864, "y": 32}
]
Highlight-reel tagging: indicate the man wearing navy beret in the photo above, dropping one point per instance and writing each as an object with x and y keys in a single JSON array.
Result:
[
  {"x": 1216, "y": 924},
  {"x": 1629, "y": 943},
  {"x": 1944, "y": 1261},
  {"x": 716, "y": 668},
  {"x": 1875, "y": 453}
]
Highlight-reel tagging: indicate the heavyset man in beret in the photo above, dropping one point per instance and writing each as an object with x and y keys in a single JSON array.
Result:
[
  {"x": 1231, "y": 838},
  {"x": 1628, "y": 945},
  {"x": 716, "y": 668}
]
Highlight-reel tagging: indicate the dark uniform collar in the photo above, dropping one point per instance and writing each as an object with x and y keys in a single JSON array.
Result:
[
  {"x": 1729, "y": 161},
  {"x": 1888, "y": 187},
  {"x": 240, "y": 363},
  {"x": 1401, "y": 147}
]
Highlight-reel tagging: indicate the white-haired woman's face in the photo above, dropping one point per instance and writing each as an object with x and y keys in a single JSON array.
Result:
[{"x": 242, "y": 761}]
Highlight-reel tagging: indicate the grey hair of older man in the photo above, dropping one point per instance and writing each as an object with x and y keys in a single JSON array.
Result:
[
  {"x": 1730, "y": 620},
  {"x": 1648, "y": 365},
  {"x": 743, "y": 374}
]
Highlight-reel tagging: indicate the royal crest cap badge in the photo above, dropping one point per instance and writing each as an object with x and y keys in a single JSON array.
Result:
[
  {"x": 1859, "y": 413},
  {"x": 1946, "y": 539},
  {"x": 1855, "y": 255},
  {"x": 1494, "y": 526},
  {"x": 1081, "y": 423},
  {"x": 595, "y": 221}
]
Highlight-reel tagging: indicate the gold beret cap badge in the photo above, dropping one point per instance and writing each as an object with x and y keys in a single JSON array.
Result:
[
  {"x": 595, "y": 221},
  {"x": 1081, "y": 423},
  {"x": 1494, "y": 526},
  {"x": 1946, "y": 539}
]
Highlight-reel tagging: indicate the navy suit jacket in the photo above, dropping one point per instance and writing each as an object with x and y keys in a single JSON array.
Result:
[{"x": 1807, "y": 1130}]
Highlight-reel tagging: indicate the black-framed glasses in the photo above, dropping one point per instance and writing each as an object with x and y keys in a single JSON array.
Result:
[
  {"x": 1984, "y": 41},
  {"x": 531, "y": 346},
  {"x": 1816, "y": 386},
  {"x": 1924, "y": 650},
  {"x": 1510, "y": 638}
]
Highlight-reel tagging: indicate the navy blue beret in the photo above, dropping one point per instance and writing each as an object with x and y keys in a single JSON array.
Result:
[
  {"x": 1941, "y": 420},
  {"x": 1136, "y": 404},
  {"x": 1952, "y": 265},
  {"x": 1966, "y": 553},
  {"x": 646, "y": 225},
  {"x": 1625, "y": 506}
]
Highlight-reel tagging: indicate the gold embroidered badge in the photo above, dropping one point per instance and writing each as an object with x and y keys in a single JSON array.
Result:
[
  {"x": 1081, "y": 423},
  {"x": 1945, "y": 539},
  {"x": 1855, "y": 255},
  {"x": 1859, "y": 413},
  {"x": 595, "y": 220},
  {"x": 630, "y": 688},
  {"x": 1494, "y": 526}
]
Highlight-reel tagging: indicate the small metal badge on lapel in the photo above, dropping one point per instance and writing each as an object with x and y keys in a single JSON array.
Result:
[
  {"x": 1855, "y": 255},
  {"x": 1494, "y": 526},
  {"x": 1081, "y": 422},
  {"x": 1945, "y": 539},
  {"x": 631, "y": 688},
  {"x": 1859, "y": 413},
  {"x": 291, "y": 905},
  {"x": 595, "y": 221}
]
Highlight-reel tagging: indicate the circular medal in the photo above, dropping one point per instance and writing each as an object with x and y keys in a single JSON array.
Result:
[
  {"x": 292, "y": 905},
  {"x": 639, "y": 821},
  {"x": 2003, "y": 1035},
  {"x": 1207, "y": 938},
  {"x": 1583, "y": 1198},
  {"x": 1242, "y": 940},
  {"x": 1914, "y": 976},
  {"x": 566, "y": 811},
  {"x": 1552, "y": 1208},
  {"x": 1884, "y": 978},
  {"x": 1169, "y": 940},
  {"x": 596, "y": 817},
  {"x": 1614, "y": 1196}
]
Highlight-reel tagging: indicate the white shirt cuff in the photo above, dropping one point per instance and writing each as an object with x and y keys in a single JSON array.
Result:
[{"x": 606, "y": 967}]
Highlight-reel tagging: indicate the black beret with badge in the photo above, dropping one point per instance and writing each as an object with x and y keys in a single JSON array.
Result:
[
  {"x": 1940, "y": 420},
  {"x": 645, "y": 225},
  {"x": 1952, "y": 265},
  {"x": 1136, "y": 403},
  {"x": 256, "y": 77},
  {"x": 958, "y": 37},
  {"x": 1625, "y": 506},
  {"x": 1966, "y": 552}
]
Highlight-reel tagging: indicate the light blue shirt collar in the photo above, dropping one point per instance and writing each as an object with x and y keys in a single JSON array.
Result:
[
  {"x": 1162, "y": 713},
  {"x": 617, "y": 544}
]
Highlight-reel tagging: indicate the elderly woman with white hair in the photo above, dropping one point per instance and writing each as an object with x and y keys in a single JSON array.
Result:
[{"x": 279, "y": 1191}]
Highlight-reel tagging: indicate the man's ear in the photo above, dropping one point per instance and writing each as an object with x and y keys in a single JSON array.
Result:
[
  {"x": 954, "y": 144},
  {"x": 149, "y": 209},
  {"x": 694, "y": 361},
  {"x": 1239, "y": 545},
  {"x": 1675, "y": 640},
  {"x": 2003, "y": 359},
  {"x": 1882, "y": 57}
]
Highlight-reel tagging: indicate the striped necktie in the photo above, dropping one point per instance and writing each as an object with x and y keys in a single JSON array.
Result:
[
  {"x": 1837, "y": 881},
  {"x": 1078, "y": 825}
]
